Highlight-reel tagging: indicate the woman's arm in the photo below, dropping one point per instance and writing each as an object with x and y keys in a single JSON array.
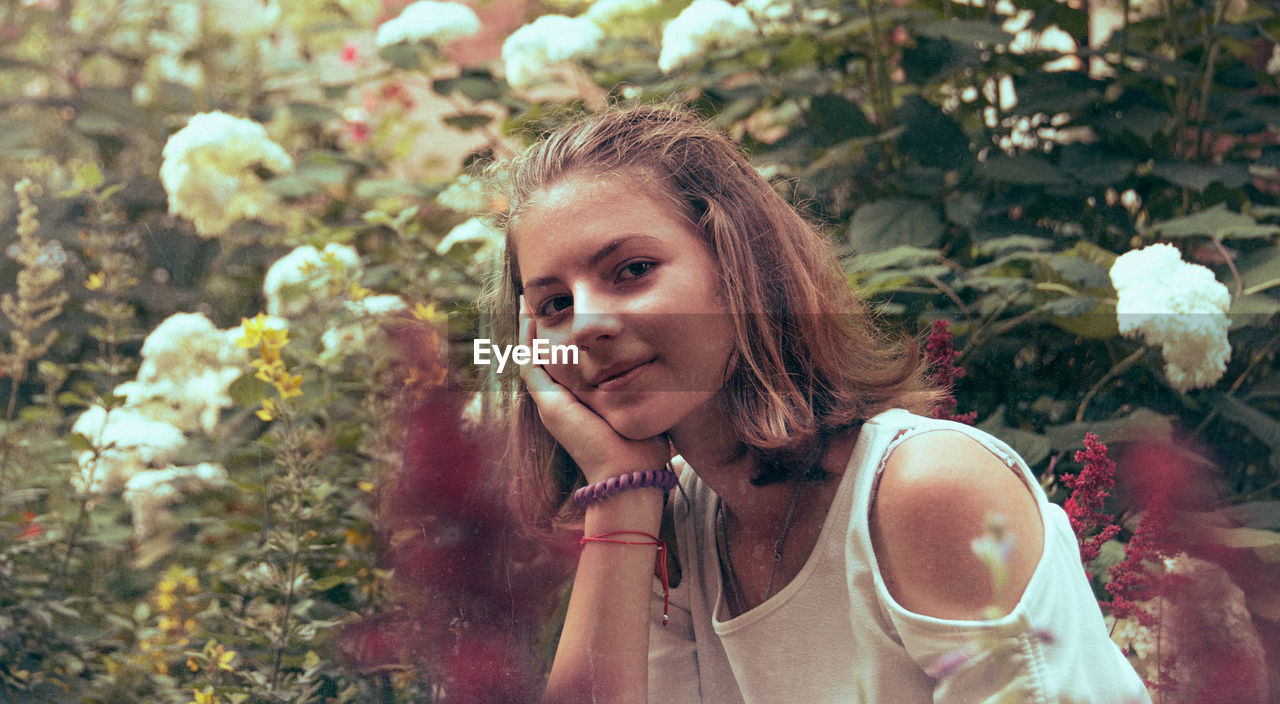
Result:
[{"x": 604, "y": 647}]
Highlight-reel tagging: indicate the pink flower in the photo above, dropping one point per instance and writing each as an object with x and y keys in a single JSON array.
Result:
[
  {"x": 350, "y": 53},
  {"x": 1133, "y": 579},
  {"x": 1089, "y": 490},
  {"x": 940, "y": 353}
]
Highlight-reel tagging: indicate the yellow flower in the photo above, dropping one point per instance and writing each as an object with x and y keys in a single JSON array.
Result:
[
  {"x": 365, "y": 485},
  {"x": 193, "y": 665},
  {"x": 268, "y": 410},
  {"x": 191, "y": 582},
  {"x": 428, "y": 313},
  {"x": 357, "y": 539},
  {"x": 357, "y": 291},
  {"x": 268, "y": 370},
  {"x": 225, "y": 658},
  {"x": 205, "y": 697},
  {"x": 252, "y": 331},
  {"x": 330, "y": 258},
  {"x": 96, "y": 281},
  {"x": 166, "y": 601},
  {"x": 289, "y": 385},
  {"x": 274, "y": 338}
]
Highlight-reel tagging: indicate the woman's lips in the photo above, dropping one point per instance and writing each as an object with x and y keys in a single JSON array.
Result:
[{"x": 623, "y": 380}]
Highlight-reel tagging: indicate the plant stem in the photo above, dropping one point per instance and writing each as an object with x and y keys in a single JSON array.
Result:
[
  {"x": 1235, "y": 385},
  {"x": 1115, "y": 371}
]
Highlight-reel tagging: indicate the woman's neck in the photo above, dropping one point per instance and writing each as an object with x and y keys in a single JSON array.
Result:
[{"x": 705, "y": 440}]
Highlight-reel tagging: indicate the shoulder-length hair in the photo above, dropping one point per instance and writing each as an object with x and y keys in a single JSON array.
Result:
[{"x": 810, "y": 361}]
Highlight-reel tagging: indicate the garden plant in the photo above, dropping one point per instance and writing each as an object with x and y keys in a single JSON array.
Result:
[{"x": 244, "y": 454}]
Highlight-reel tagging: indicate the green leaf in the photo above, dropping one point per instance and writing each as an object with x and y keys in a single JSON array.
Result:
[
  {"x": 291, "y": 186},
  {"x": 375, "y": 189},
  {"x": 1263, "y": 426},
  {"x": 837, "y": 118},
  {"x": 312, "y": 114},
  {"x": 324, "y": 584},
  {"x": 1143, "y": 424},
  {"x": 476, "y": 85},
  {"x": 1252, "y": 310},
  {"x": 79, "y": 443},
  {"x": 1255, "y": 514},
  {"x": 896, "y": 258},
  {"x": 467, "y": 121},
  {"x": 1259, "y": 267},
  {"x": 1070, "y": 306},
  {"x": 1025, "y": 169},
  {"x": 1217, "y": 221},
  {"x": 800, "y": 51},
  {"x": 966, "y": 32},
  {"x": 894, "y": 222},
  {"x": 405, "y": 56},
  {"x": 962, "y": 208},
  {"x": 931, "y": 137},
  {"x": 1266, "y": 543},
  {"x": 1199, "y": 177},
  {"x": 1011, "y": 243},
  {"x": 1079, "y": 270},
  {"x": 1033, "y": 448}
]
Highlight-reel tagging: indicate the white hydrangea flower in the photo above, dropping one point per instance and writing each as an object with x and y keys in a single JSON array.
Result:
[
  {"x": 343, "y": 337},
  {"x": 151, "y": 492},
  {"x": 771, "y": 10},
  {"x": 429, "y": 20},
  {"x": 474, "y": 230},
  {"x": 1273, "y": 64},
  {"x": 607, "y": 12},
  {"x": 187, "y": 367},
  {"x": 208, "y": 171},
  {"x": 548, "y": 40},
  {"x": 1176, "y": 305},
  {"x": 465, "y": 195},
  {"x": 301, "y": 278},
  {"x": 382, "y": 304},
  {"x": 704, "y": 25},
  {"x": 128, "y": 439}
]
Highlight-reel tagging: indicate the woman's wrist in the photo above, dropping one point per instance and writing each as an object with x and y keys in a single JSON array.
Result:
[{"x": 635, "y": 509}]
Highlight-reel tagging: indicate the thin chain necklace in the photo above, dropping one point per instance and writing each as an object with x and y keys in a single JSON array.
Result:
[{"x": 736, "y": 593}]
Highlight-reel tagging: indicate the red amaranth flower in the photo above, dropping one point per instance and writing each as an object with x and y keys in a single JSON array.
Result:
[
  {"x": 1089, "y": 490},
  {"x": 940, "y": 353},
  {"x": 1135, "y": 579}
]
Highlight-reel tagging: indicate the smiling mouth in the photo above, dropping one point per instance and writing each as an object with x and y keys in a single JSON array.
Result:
[{"x": 624, "y": 379}]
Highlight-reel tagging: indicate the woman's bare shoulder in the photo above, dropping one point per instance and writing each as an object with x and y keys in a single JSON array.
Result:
[{"x": 938, "y": 493}]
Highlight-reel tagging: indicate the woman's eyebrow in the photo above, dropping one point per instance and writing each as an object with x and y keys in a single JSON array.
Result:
[{"x": 592, "y": 261}]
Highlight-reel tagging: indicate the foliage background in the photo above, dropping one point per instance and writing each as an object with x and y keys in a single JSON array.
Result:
[{"x": 963, "y": 179}]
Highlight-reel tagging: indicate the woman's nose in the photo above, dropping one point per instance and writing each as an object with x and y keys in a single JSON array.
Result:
[{"x": 594, "y": 319}]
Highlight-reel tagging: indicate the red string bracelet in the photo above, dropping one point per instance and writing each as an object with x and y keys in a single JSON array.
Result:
[{"x": 662, "y": 559}]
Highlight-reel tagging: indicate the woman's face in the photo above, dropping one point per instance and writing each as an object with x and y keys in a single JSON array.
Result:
[{"x": 610, "y": 266}]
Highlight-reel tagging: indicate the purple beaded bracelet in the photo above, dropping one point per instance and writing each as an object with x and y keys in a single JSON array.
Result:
[{"x": 663, "y": 478}]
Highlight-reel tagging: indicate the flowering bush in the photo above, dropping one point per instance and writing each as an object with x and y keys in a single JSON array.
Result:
[{"x": 245, "y": 239}]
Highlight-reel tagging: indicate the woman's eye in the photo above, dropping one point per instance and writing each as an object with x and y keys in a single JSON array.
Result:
[
  {"x": 635, "y": 270},
  {"x": 554, "y": 305}
]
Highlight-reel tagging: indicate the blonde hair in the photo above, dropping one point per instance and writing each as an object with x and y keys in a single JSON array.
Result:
[{"x": 810, "y": 361}]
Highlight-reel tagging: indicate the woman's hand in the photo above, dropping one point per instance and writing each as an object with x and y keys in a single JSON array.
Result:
[{"x": 599, "y": 450}]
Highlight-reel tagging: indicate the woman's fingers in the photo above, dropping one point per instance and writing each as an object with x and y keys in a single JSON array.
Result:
[{"x": 549, "y": 395}]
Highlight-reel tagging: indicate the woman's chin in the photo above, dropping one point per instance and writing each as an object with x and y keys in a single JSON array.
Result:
[{"x": 636, "y": 427}]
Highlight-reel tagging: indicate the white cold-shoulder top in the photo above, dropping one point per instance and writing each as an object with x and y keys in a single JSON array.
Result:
[{"x": 834, "y": 633}]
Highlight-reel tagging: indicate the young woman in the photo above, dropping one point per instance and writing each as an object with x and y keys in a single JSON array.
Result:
[{"x": 821, "y": 541}]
